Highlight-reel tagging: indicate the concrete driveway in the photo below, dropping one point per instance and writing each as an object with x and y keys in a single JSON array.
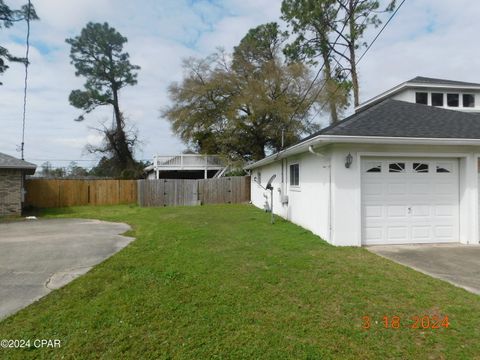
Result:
[
  {"x": 456, "y": 263},
  {"x": 38, "y": 256}
]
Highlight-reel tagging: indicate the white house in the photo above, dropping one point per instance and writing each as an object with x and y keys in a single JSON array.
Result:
[{"x": 402, "y": 169}]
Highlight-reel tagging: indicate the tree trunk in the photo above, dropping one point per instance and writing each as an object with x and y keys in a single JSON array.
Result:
[
  {"x": 258, "y": 152},
  {"x": 325, "y": 50},
  {"x": 351, "y": 48},
  {"x": 330, "y": 92},
  {"x": 124, "y": 154}
]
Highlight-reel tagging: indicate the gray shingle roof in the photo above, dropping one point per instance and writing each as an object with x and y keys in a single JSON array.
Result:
[
  {"x": 10, "y": 162},
  {"x": 394, "y": 118},
  {"x": 433, "y": 81}
]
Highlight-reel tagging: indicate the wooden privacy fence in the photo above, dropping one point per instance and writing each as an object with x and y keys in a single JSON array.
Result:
[
  {"x": 163, "y": 192},
  {"x": 45, "y": 193}
]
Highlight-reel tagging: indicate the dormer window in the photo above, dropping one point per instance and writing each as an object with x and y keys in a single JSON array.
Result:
[
  {"x": 468, "y": 100},
  {"x": 421, "y": 98},
  {"x": 437, "y": 99},
  {"x": 453, "y": 100}
]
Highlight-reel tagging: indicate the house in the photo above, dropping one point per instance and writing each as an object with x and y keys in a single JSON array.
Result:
[
  {"x": 402, "y": 169},
  {"x": 12, "y": 175},
  {"x": 185, "y": 166}
]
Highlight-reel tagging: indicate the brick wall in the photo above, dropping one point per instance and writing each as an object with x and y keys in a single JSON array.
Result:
[{"x": 10, "y": 192}]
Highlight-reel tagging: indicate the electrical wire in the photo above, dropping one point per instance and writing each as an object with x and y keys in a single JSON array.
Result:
[
  {"x": 25, "y": 87},
  {"x": 323, "y": 65},
  {"x": 336, "y": 68},
  {"x": 367, "y": 49},
  {"x": 380, "y": 32}
]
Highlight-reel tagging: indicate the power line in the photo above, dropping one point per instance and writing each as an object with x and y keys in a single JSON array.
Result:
[
  {"x": 25, "y": 87},
  {"x": 324, "y": 63},
  {"x": 380, "y": 32},
  {"x": 336, "y": 68},
  {"x": 366, "y": 50}
]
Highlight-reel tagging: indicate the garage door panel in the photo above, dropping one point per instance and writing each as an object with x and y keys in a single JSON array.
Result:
[
  {"x": 397, "y": 211},
  {"x": 397, "y": 233},
  {"x": 419, "y": 211},
  {"x": 444, "y": 188},
  {"x": 373, "y": 211},
  {"x": 420, "y": 188},
  {"x": 444, "y": 232},
  {"x": 419, "y": 204},
  {"x": 375, "y": 233},
  {"x": 421, "y": 233},
  {"x": 396, "y": 189},
  {"x": 444, "y": 210},
  {"x": 374, "y": 188}
]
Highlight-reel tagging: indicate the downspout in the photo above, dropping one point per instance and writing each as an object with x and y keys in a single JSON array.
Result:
[{"x": 329, "y": 166}]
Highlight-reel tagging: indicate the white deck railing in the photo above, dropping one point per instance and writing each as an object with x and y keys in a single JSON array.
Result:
[{"x": 188, "y": 162}]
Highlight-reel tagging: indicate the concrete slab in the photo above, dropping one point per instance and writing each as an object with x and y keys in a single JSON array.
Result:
[
  {"x": 456, "y": 263},
  {"x": 38, "y": 256}
]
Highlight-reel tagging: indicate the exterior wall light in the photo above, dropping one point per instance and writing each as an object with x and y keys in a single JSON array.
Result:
[{"x": 348, "y": 160}]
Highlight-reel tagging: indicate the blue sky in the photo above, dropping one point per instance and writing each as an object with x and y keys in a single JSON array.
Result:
[{"x": 428, "y": 37}]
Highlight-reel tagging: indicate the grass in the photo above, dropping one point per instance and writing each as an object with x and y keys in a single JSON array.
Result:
[{"x": 220, "y": 282}]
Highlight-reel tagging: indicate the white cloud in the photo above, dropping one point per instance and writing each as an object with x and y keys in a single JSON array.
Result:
[{"x": 427, "y": 37}]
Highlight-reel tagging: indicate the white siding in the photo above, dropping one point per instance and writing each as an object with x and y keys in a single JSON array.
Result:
[
  {"x": 406, "y": 95},
  {"x": 308, "y": 203}
]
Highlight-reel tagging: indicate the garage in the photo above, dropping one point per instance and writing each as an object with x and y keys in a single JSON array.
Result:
[{"x": 409, "y": 200}]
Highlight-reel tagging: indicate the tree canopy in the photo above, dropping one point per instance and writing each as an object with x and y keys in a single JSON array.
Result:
[{"x": 243, "y": 104}]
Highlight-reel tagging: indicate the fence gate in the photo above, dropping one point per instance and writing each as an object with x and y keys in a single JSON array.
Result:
[{"x": 175, "y": 192}]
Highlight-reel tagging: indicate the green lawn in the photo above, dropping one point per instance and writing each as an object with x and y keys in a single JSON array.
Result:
[{"x": 220, "y": 282}]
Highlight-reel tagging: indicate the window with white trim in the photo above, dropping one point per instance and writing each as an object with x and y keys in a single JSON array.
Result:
[
  {"x": 421, "y": 98},
  {"x": 294, "y": 174},
  {"x": 437, "y": 99},
  {"x": 420, "y": 167},
  {"x": 398, "y": 167},
  {"x": 444, "y": 168},
  {"x": 453, "y": 100},
  {"x": 374, "y": 167},
  {"x": 468, "y": 100}
]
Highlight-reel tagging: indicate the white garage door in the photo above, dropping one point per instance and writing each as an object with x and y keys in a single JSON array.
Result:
[{"x": 409, "y": 200}]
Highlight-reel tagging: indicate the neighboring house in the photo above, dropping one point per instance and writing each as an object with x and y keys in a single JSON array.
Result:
[
  {"x": 402, "y": 169},
  {"x": 12, "y": 174},
  {"x": 185, "y": 166}
]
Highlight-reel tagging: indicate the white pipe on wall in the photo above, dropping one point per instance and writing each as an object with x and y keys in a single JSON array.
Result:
[{"x": 323, "y": 156}]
